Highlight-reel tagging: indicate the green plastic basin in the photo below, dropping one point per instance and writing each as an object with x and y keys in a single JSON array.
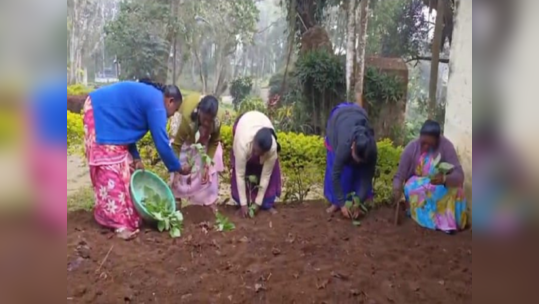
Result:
[{"x": 142, "y": 179}]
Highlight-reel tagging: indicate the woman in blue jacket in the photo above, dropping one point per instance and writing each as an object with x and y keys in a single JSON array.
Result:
[{"x": 116, "y": 117}]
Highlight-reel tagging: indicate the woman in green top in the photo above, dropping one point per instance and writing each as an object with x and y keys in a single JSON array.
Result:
[{"x": 196, "y": 132}]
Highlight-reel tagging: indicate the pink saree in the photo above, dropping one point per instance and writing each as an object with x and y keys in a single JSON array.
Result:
[{"x": 110, "y": 173}]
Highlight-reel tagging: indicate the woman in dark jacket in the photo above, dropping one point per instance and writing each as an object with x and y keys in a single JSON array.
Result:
[{"x": 351, "y": 158}]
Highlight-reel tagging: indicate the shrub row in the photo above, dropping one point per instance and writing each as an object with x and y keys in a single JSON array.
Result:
[{"x": 303, "y": 159}]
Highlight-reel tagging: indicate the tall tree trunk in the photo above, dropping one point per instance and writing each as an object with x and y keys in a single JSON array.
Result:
[
  {"x": 350, "y": 45},
  {"x": 174, "y": 61},
  {"x": 435, "y": 63},
  {"x": 74, "y": 42},
  {"x": 217, "y": 75},
  {"x": 362, "y": 46},
  {"x": 291, "y": 39},
  {"x": 201, "y": 74}
]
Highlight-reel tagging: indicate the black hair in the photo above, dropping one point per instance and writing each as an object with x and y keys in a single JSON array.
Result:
[
  {"x": 170, "y": 91},
  {"x": 431, "y": 128},
  {"x": 208, "y": 104},
  {"x": 365, "y": 143},
  {"x": 264, "y": 139}
]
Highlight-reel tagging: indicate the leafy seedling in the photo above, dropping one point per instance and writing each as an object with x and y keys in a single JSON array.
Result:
[
  {"x": 204, "y": 157},
  {"x": 252, "y": 210},
  {"x": 223, "y": 223},
  {"x": 353, "y": 202},
  {"x": 441, "y": 167},
  {"x": 160, "y": 210},
  {"x": 252, "y": 184},
  {"x": 253, "y": 179}
]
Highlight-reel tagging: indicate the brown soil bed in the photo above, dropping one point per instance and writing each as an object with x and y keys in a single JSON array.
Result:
[{"x": 300, "y": 255}]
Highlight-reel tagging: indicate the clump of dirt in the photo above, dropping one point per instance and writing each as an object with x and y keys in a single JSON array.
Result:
[{"x": 300, "y": 255}]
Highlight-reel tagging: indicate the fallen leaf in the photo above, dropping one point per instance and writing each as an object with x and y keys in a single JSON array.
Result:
[
  {"x": 339, "y": 276},
  {"x": 259, "y": 288},
  {"x": 322, "y": 285}
]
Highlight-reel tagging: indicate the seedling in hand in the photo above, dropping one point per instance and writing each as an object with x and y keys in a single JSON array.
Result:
[
  {"x": 353, "y": 202},
  {"x": 441, "y": 167},
  {"x": 252, "y": 185},
  {"x": 204, "y": 157}
]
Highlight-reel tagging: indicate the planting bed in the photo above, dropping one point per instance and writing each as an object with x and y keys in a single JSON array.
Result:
[{"x": 300, "y": 255}]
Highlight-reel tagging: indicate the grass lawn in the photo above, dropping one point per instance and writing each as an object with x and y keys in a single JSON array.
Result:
[{"x": 81, "y": 200}]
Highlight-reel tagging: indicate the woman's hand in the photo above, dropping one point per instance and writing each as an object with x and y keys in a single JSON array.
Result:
[
  {"x": 346, "y": 212},
  {"x": 244, "y": 211},
  {"x": 439, "y": 179},
  {"x": 355, "y": 212},
  {"x": 206, "y": 175},
  {"x": 397, "y": 195},
  {"x": 185, "y": 170},
  {"x": 139, "y": 165}
]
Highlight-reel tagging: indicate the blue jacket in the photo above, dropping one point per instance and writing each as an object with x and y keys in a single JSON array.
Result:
[{"x": 124, "y": 112}]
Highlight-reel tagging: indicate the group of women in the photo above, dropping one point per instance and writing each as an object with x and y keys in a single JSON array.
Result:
[{"x": 117, "y": 116}]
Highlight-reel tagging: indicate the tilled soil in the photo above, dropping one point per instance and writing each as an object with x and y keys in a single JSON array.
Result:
[{"x": 300, "y": 255}]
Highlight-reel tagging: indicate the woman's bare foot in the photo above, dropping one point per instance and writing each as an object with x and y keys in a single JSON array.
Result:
[
  {"x": 332, "y": 209},
  {"x": 126, "y": 234}
]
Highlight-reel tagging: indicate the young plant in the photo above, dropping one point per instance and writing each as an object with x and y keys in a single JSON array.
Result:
[
  {"x": 252, "y": 184},
  {"x": 441, "y": 167},
  {"x": 300, "y": 181},
  {"x": 204, "y": 157},
  {"x": 223, "y": 224},
  {"x": 159, "y": 209},
  {"x": 353, "y": 202}
]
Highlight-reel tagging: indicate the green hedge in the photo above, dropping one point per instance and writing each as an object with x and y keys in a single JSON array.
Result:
[
  {"x": 303, "y": 159},
  {"x": 78, "y": 89}
]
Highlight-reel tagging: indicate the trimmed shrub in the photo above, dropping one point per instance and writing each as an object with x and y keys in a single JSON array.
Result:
[
  {"x": 78, "y": 90},
  {"x": 76, "y": 96}
]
